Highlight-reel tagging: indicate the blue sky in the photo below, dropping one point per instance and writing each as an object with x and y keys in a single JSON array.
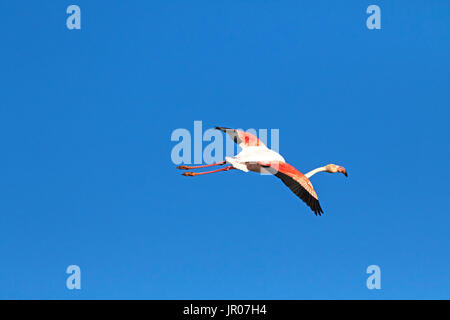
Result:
[{"x": 87, "y": 178}]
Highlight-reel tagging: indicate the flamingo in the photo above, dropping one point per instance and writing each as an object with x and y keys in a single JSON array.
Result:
[{"x": 256, "y": 157}]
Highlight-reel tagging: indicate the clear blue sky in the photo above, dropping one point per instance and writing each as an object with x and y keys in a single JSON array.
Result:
[{"x": 87, "y": 178}]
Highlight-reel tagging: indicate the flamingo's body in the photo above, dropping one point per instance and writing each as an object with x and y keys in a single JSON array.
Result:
[
  {"x": 255, "y": 156},
  {"x": 251, "y": 155}
]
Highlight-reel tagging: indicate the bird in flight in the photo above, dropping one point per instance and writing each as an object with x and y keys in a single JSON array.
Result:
[{"x": 255, "y": 156}]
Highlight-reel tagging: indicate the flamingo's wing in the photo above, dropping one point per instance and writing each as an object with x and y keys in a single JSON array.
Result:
[
  {"x": 242, "y": 138},
  {"x": 296, "y": 181}
]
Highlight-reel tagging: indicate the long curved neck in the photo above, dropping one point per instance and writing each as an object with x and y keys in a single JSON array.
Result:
[{"x": 313, "y": 172}]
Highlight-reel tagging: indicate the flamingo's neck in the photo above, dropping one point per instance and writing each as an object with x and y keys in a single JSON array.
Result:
[{"x": 313, "y": 172}]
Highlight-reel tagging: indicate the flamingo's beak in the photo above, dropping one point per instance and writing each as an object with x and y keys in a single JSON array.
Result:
[{"x": 343, "y": 171}]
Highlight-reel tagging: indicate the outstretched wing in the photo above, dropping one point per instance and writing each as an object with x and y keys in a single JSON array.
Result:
[
  {"x": 242, "y": 138},
  {"x": 296, "y": 181}
]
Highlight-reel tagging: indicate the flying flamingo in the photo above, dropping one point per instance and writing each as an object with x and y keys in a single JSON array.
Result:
[{"x": 255, "y": 156}]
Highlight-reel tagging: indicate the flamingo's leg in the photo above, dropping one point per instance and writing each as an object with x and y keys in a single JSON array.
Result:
[
  {"x": 204, "y": 166},
  {"x": 191, "y": 174}
]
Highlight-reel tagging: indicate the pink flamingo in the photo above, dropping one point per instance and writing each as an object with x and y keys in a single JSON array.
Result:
[{"x": 255, "y": 156}]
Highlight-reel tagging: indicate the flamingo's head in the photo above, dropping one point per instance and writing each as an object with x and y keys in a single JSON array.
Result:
[{"x": 333, "y": 168}]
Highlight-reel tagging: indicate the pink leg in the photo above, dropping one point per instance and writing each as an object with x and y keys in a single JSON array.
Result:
[
  {"x": 198, "y": 167},
  {"x": 191, "y": 174}
]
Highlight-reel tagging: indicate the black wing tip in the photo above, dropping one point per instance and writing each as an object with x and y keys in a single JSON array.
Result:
[
  {"x": 318, "y": 213},
  {"x": 300, "y": 192},
  {"x": 224, "y": 129},
  {"x": 317, "y": 208}
]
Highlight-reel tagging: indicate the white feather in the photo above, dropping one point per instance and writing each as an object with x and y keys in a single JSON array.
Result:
[{"x": 253, "y": 154}]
